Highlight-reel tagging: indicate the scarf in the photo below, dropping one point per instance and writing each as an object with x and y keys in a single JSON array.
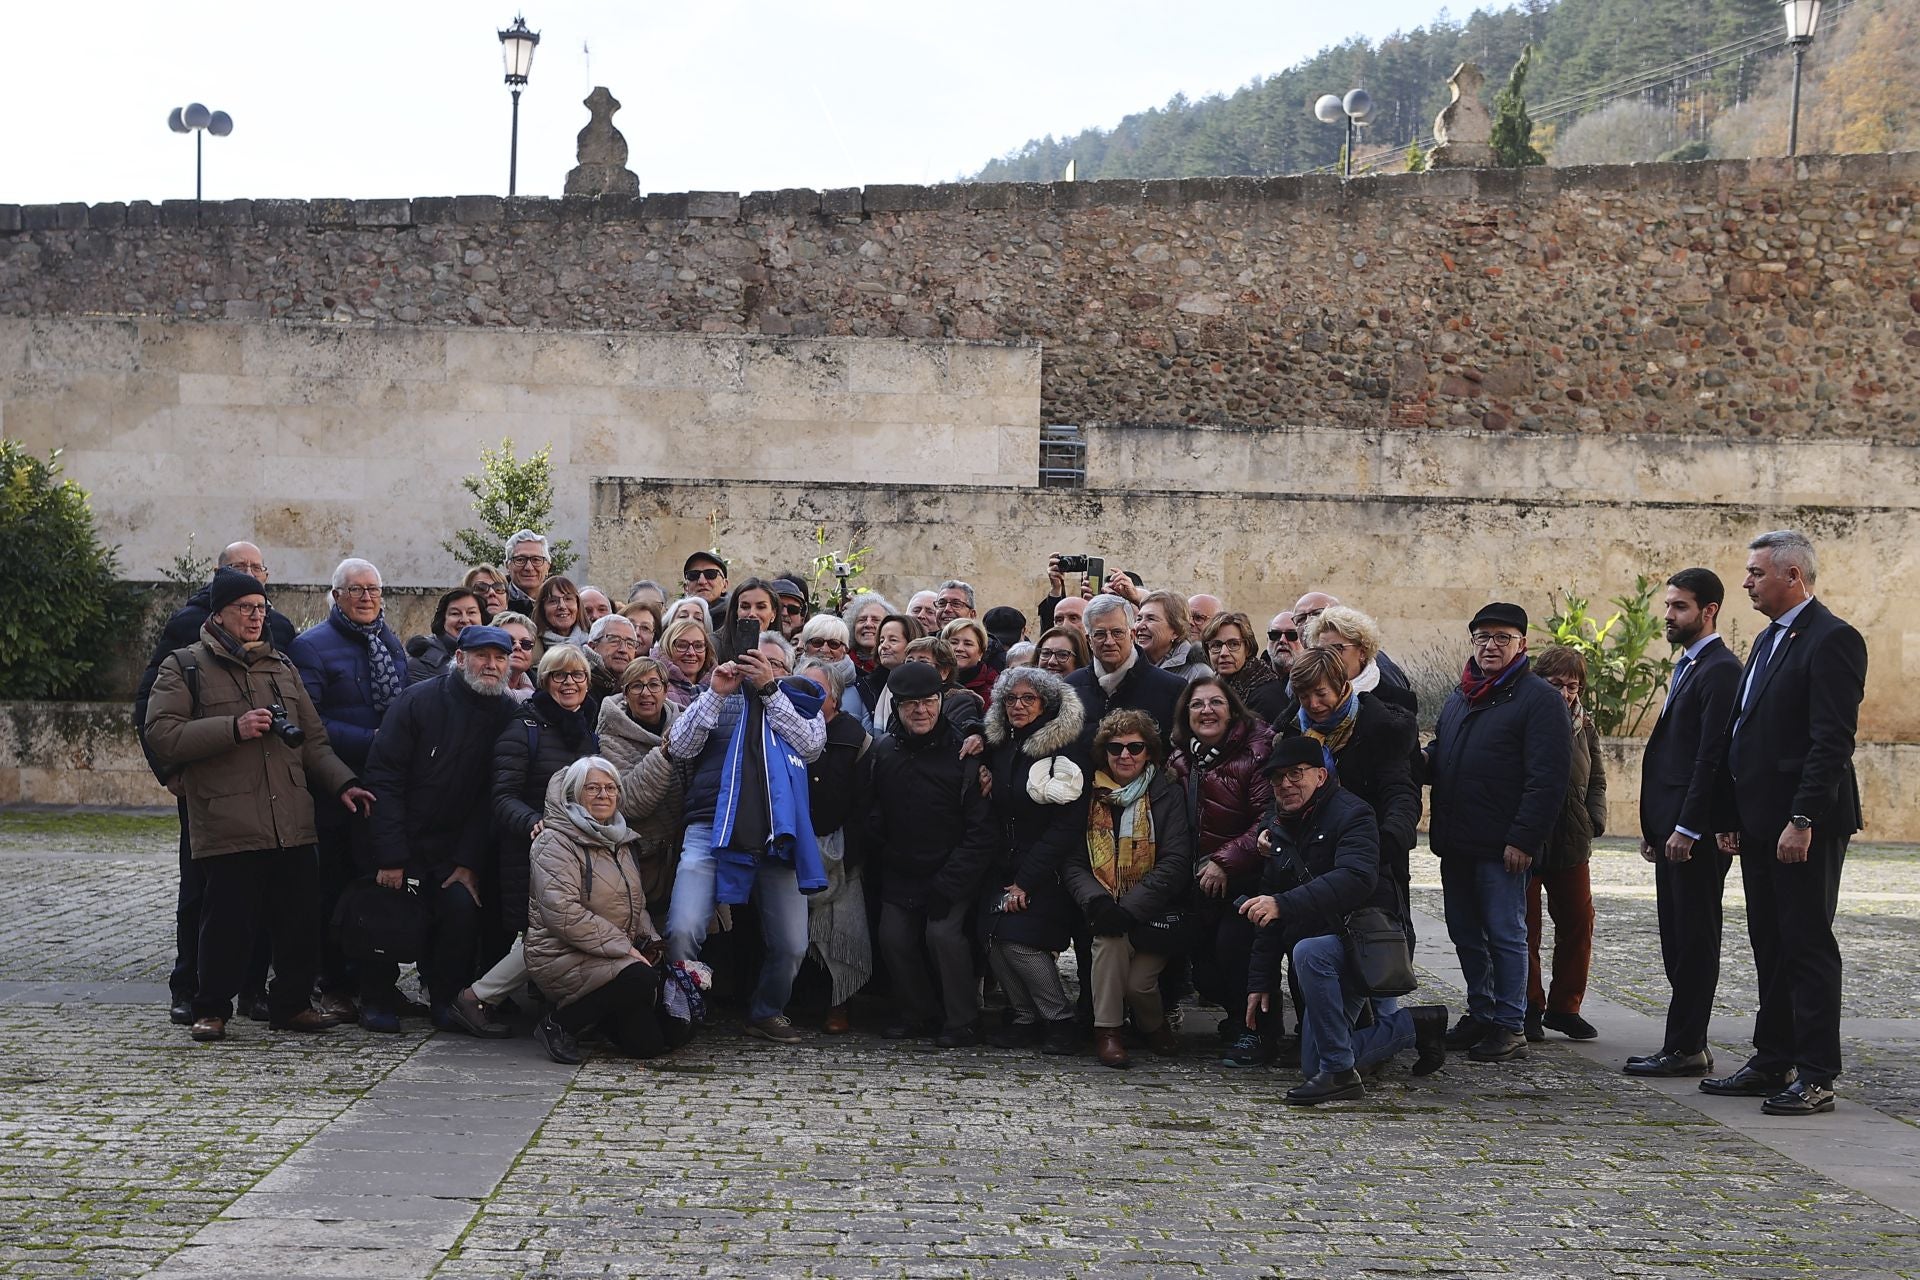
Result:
[
  {"x": 1251, "y": 675},
  {"x": 1120, "y": 832},
  {"x": 1479, "y": 688},
  {"x": 1110, "y": 680},
  {"x": 245, "y": 650},
  {"x": 385, "y": 678},
  {"x": 1336, "y": 731},
  {"x": 610, "y": 835},
  {"x": 1204, "y": 757},
  {"x": 572, "y": 726},
  {"x": 1368, "y": 680}
]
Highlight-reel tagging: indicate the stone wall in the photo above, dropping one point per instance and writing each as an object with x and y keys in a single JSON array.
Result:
[
  {"x": 321, "y": 440},
  {"x": 74, "y": 753},
  {"x": 1736, "y": 298},
  {"x": 1422, "y": 565}
]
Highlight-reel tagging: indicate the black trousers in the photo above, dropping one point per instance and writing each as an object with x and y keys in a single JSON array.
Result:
[
  {"x": 1790, "y": 908},
  {"x": 185, "y": 978},
  {"x": 628, "y": 1010},
  {"x": 241, "y": 891},
  {"x": 1688, "y": 894},
  {"x": 449, "y": 963},
  {"x": 343, "y": 849}
]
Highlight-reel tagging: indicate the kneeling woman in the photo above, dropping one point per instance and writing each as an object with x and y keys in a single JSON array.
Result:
[{"x": 591, "y": 946}]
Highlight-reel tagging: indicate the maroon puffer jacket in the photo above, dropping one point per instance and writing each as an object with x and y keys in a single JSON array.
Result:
[{"x": 1231, "y": 798}]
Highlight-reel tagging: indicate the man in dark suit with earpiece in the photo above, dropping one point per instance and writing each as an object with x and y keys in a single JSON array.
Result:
[
  {"x": 1677, "y": 775},
  {"x": 1790, "y": 803}
]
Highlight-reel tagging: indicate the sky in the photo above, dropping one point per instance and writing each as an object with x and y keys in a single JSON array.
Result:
[{"x": 406, "y": 98}]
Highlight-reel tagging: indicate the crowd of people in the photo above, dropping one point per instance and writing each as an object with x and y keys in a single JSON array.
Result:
[{"x": 598, "y": 816}]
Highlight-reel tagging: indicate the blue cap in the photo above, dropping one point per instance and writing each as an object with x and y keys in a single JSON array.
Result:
[{"x": 478, "y": 637}]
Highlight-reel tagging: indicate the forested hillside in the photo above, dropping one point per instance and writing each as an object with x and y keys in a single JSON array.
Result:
[{"x": 1672, "y": 72}]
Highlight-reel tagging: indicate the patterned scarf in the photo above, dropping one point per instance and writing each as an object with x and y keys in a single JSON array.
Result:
[
  {"x": 1252, "y": 674},
  {"x": 1336, "y": 731},
  {"x": 1478, "y": 688},
  {"x": 1120, "y": 832},
  {"x": 386, "y": 678}
]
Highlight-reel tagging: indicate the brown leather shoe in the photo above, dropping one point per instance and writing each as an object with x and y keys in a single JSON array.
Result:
[
  {"x": 1107, "y": 1043},
  {"x": 208, "y": 1029},
  {"x": 837, "y": 1023},
  {"x": 1164, "y": 1041},
  {"x": 305, "y": 1020},
  {"x": 339, "y": 1007}
]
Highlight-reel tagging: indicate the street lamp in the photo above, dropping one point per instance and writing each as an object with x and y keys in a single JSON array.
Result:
[
  {"x": 1802, "y": 17},
  {"x": 198, "y": 121},
  {"x": 1356, "y": 107},
  {"x": 516, "y": 50}
]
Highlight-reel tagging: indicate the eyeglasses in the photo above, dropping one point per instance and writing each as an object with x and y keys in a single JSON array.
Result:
[
  {"x": 250, "y": 610},
  {"x": 777, "y": 664},
  {"x": 1056, "y": 655},
  {"x": 704, "y": 575},
  {"x": 1207, "y": 704},
  {"x": 600, "y": 789},
  {"x": 791, "y": 610},
  {"x": 619, "y": 642},
  {"x": 359, "y": 592},
  {"x": 1226, "y": 646},
  {"x": 1334, "y": 646},
  {"x": 689, "y": 646},
  {"x": 1117, "y": 749},
  {"x": 567, "y": 677},
  {"x": 647, "y": 686},
  {"x": 1488, "y": 640},
  {"x": 1297, "y": 774},
  {"x": 931, "y": 700},
  {"x": 526, "y": 562},
  {"x": 1023, "y": 699},
  {"x": 252, "y": 568},
  {"x": 1109, "y": 633},
  {"x": 1309, "y": 615},
  {"x": 1278, "y": 634},
  {"x": 1564, "y": 686}
]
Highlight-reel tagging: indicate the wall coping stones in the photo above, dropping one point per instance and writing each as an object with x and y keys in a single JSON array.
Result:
[{"x": 1492, "y": 185}]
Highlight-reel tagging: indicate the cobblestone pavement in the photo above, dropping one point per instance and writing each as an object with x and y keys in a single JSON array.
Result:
[{"x": 120, "y": 1140}]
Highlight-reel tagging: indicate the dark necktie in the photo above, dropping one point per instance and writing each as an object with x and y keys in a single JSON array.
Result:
[
  {"x": 1756, "y": 672},
  {"x": 1673, "y": 685}
]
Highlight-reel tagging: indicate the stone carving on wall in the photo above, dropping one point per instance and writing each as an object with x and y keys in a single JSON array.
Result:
[
  {"x": 1463, "y": 130},
  {"x": 602, "y": 153}
]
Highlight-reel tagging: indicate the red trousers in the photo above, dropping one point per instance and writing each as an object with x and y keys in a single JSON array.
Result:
[{"x": 1569, "y": 894}]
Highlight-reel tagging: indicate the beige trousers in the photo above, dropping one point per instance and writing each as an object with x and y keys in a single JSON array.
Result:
[{"x": 1126, "y": 979}]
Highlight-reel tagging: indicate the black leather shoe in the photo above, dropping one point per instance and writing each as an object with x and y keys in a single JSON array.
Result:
[
  {"x": 1429, "y": 1038},
  {"x": 1328, "y": 1086},
  {"x": 255, "y": 1008},
  {"x": 1801, "y": 1098},
  {"x": 1644, "y": 1057},
  {"x": 1466, "y": 1032},
  {"x": 181, "y": 1014},
  {"x": 559, "y": 1043},
  {"x": 1745, "y": 1083},
  {"x": 1670, "y": 1064},
  {"x": 957, "y": 1037},
  {"x": 1535, "y": 1033},
  {"x": 1570, "y": 1025},
  {"x": 1498, "y": 1045}
]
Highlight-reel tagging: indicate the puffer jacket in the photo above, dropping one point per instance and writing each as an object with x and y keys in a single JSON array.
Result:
[
  {"x": 580, "y": 935},
  {"x": 427, "y": 657},
  {"x": 1499, "y": 770},
  {"x": 1033, "y": 837},
  {"x": 1583, "y": 816},
  {"x": 527, "y": 754},
  {"x": 1225, "y": 802},
  {"x": 1185, "y": 660},
  {"x": 1161, "y": 889},
  {"x": 628, "y": 745},
  {"x": 241, "y": 796},
  {"x": 1334, "y": 845},
  {"x": 338, "y": 674}
]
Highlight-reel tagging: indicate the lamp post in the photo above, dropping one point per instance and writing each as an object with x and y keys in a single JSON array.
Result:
[
  {"x": 516, "y": 50},
  {"x": 1802, "y": 17},
  {"x": 1355, "y": 107},
  {"x": 198, "y": 121}
]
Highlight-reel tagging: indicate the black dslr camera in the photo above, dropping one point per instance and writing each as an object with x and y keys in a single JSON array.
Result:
[
  {"x": 283, "y": 728},
  {"x": 1094, "y": 567}
]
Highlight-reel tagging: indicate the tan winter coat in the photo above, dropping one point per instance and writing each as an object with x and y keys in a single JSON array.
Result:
[
  {"x": 241, "y": 795},
  {"x": 580, "y": 938},
  {"x": 651, "y": 805}
]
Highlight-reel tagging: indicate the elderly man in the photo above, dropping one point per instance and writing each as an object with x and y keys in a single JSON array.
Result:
[
  {"x": 594, "y": 605},
  {"x": 1498, "y": 765},
  {"x": 433, "y": 766},
  {"x": 955, "y": 600},
  {"x": 1120, "y": 675},
  {"x": 705, "y": 575},
  {"x": 1314, "y": 603},
  {"x": 1071, "y": 612},
  {"x": 1283, "y": 641},
  {"x": 1201, "y": 610},
  {"x": 182, "y": 630},
  {"x": 527, "y": 566},
  {"x": 612, "y": 646},
  {"x": 791, "y": 599},
  {"x": 230, "y": 718},
  {"x": 925, "y": 608},
  {"x": 353, "y": 666}
]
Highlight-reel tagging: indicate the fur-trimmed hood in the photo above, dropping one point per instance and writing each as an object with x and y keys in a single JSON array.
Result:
[{"x": 1062, "y": 717}]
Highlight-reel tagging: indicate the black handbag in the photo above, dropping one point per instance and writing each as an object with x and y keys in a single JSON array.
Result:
[
  {"x": 1377, "y": 954},
  {"x": 373, "y": 922}
]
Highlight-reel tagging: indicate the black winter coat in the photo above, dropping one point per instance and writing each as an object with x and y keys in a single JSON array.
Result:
[
  {"x": 1034, "y": 840},
  {"x": 1499, "y": 770},
  {"x": 840, "y": 785},
  {"x": 1162, "y": 889},
  {"x": 428, "y": 656},
  {"x": 1338, "y": 844},
  {"x": 431, "y": 770},
  {"x": 1144, "y": 688},
  {"x": 1377, "y": 765},
  {"x": 526, "y": 755},
  {"x": 181, "y": 631},
  {"x": 928, "y": 825}
]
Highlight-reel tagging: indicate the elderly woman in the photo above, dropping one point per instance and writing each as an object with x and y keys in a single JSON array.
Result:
[
  {"x": 826, "y": 638},
  {"x": 968, "y": 639},
  {"x": 520, "y": 661},
  {"x": 1355, "y": 637},
  {"x": 490, "y": 586},
  {"x": 428, "y": 655},
  {"x": 1132, "y": 867},
  {"x": 1234, "y": 650},
  {"x": 591, "y": 946},
  {"x": 556, "y": 610},
  {"x": 1562, "y": 872},
  {"x": 632, "y": 727},
  {"x": 896, "y": 632},
  {"x": 1160, "y": 629},
  {"x": 688, "y": 607},
  {"x": 1220, "y": 753},
  {"x": 687, "y": 651},
  {"x": 1061, "y": 650},
  {"x": 1039, "y": 797},
  {"x": 863, "y": 616}
]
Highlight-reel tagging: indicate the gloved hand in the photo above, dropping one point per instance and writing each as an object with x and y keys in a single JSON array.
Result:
[{"x": 1110, "y": 920}]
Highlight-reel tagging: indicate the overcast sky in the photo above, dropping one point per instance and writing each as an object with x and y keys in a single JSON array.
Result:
[{"x": 405, "y": 98}]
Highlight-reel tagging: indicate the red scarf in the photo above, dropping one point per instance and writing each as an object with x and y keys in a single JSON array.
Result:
[{"x": 1478, "y": 688}]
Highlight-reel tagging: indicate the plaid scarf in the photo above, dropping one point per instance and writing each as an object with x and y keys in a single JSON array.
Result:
[
  {"x": 1478, "y": 688},
  {"x": 385, "y": 677},
  {"x": 1120, "y": 832}
]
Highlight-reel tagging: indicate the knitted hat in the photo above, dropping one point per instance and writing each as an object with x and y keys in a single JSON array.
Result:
[
  {"x": 912, "y": 680},
  {"x": 1500, "y": 615},
  {"x": 1299, "y": 750},
  {"x": 230, "y": 585}
]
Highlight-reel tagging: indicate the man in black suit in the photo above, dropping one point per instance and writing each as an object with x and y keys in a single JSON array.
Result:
[
  {"x": 1683, "y": 757},
  {"x": 1789, "y": 804}
]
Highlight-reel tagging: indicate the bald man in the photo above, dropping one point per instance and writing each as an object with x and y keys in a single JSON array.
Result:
[
  {"x": 1283, "y": 641},
  {"x": 1200, "y": 611},
  {"x": 1309, "y": 606}
]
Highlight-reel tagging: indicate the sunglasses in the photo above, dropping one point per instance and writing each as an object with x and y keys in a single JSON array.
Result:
[
  {"x": 1126, "y": 748},
  {"x": 704, "y": 575},
  {"x": 1278, "y": 634}
]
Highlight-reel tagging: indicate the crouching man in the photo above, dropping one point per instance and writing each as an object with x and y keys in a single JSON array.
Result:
[
  {"x": 230, "y": 716},
  {"x": 1324, "y": 862}
]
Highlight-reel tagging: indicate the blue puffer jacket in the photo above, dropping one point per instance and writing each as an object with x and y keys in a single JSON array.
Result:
[{"x": 334, "y": 667}]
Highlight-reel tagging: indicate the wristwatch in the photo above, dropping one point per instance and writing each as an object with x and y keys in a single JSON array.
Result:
[{"x": 1800, "y": 821}]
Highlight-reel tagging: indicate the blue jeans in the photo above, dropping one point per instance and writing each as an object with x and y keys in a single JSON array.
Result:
[
  {"x": 783, "y": 919},
  {"x": 1329, "y": 1042},
  {"x": 1487, "y": 920}
]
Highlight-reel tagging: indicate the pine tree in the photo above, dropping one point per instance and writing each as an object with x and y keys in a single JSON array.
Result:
[
  {"x": 1512, "y": 129},
  {"x": 509, "y": 495}
]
